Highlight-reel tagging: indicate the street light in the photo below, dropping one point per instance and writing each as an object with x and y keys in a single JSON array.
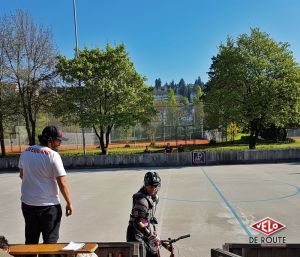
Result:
[
  {"x": 77, "y": 55},
  {"x": 75, "y": 27}
]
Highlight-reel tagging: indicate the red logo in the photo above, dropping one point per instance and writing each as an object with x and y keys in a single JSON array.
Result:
[{"x": 267, "y": 226}]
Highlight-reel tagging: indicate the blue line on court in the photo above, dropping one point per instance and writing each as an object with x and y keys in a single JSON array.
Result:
[
  {"x": 296, "y": 192},
  {"x": 188, "y": 201},
  {"x": 236, "y": 215}
]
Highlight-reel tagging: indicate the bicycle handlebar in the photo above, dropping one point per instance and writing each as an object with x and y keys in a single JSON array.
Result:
[{"x": 171, "y": 241}]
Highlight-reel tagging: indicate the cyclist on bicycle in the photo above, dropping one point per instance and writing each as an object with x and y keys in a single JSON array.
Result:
[{"x": 141, "y": 227}]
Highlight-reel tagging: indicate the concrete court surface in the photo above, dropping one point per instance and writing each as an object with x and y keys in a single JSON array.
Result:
[{"x": 215, "y": 204}]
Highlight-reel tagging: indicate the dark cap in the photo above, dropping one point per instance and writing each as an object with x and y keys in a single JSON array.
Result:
[{"x": 53, "y": 132}]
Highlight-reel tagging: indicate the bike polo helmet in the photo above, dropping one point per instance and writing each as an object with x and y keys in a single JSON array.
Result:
[{"x": 152, "y": 179}]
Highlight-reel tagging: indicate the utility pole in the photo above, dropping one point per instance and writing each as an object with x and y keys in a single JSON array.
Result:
[{"x": 77, "y": 55}]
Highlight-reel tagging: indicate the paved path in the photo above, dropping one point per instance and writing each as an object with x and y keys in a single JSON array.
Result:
[{"x": 215, "y": 204}]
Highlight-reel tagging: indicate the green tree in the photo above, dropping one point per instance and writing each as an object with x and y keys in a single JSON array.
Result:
[
  {"x": 112, "y": 93},
  {"x": 198, "y": 82},
  {"x": 173, "y": 110},
  {"x": 3, "y": 107},
  {"x": 8, "y": 94},
  {"x": 172, "y": 85},
  {"x": 232, "y": 130},
  {"x": 198, "y": 109},
  {"x": 253, "y": 81},
  {"x": 2, "y": 94},
  {"x": 182, "y": 90},
  {"x": 189, "y": 92},
  {"x": 157, "y": 84},
  {"x": 171, "y": 98},
  {"x": 30, "y": 65},
  {"x": 185, "y": 100},
  {"x": 125, "y": 134},
  {"x": 150, "y": 131},
  {"x": 198, "y": 96}
]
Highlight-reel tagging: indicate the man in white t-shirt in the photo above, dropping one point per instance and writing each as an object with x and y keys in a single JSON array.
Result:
[{"x": 43, "y": 177}]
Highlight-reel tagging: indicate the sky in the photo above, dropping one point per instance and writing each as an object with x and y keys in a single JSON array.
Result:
[{"x": 166, "y": 39}]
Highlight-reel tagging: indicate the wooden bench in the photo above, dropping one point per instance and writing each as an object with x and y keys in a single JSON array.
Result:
[
  {"x": 259, "y": 250},
  {"x": 120, "y": 249},
  {"x": 22, "y": 249}
]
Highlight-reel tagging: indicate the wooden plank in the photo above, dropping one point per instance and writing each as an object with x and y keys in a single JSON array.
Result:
[
  {"x": 264, "y": 252},
  {"x": 22, "y": 249},
  {"x": 293, "y": 252},
  {"x": 233, "y": 248},
  {"x": 245, "y": 245},
  {"x": 250, "y": 252},
  {"x": 238, "y": 251},
  {"x": 222, "y": 253},
  {"x": 280, "y": 252},
  {"x": 124, "y": 249}
]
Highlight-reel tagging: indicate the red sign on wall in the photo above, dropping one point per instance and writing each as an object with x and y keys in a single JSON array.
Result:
[{"x": 267, "y": 226}]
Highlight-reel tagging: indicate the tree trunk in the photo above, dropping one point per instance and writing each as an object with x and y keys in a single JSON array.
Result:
[
  {"x": 255, "y": 127},
  {"x": 1, "y": 127},
  {"x": 33, "y": 127},
  {"x": 252, "y": 141},
  {"x": 3, "y": 152},
  {"x": 26, "y": 118},
  {"x": 102, "y": 144},
  {"x": 27, "y": 126},
  {"x": 108, "y": 131},
  {"x": 30, "y": 129},
  {"x": 101, "y": 140}
]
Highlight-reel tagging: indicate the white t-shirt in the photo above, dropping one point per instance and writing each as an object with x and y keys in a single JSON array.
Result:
[{"x": 41, "y": 165}]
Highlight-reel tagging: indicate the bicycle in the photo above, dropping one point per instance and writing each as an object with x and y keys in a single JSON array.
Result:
[{"x": 168, "y": 244}]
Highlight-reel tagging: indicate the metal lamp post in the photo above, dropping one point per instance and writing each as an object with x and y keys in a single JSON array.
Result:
[{"x": 77, "y": 55}]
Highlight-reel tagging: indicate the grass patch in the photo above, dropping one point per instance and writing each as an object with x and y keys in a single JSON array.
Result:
[
  {"x": 117, "y": 150},
  {"x": 242, "y": 145}
]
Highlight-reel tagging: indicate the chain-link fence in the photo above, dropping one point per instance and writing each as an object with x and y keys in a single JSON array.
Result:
[{"x": 175, "y": 124}]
